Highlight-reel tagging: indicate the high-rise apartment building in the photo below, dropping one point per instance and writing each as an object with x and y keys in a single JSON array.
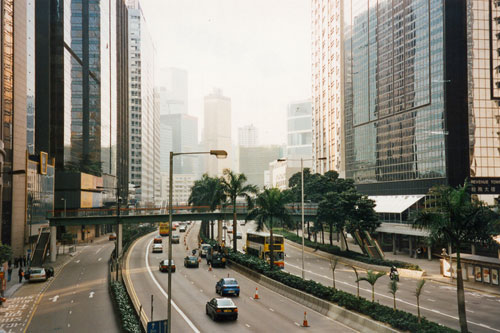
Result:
[
  {"x": 299, "y": 130},
  {"x": 248, "y": 136},
  {"x": 254, "y": 161},
  {"x": 143, "y": 113},
  {"x": 217, "y": 130},
  {"x": 80, "y": 89},
  {"x": 327, "y": 86},
  {"x": 173, "y": 91},
  {"x": 418, "y": 91}
]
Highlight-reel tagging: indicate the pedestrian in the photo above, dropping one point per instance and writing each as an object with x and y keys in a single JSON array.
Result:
[
  {"x": 15, "y": 262},
  {"x": 24, "y": 261},
  {"x": 21, "y": 274},
  {"x": 9, "y": 273}
]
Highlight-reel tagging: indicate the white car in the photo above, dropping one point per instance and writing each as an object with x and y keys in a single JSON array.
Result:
[
  {"x": 182, "y": 228},
  {"x": 37, "y": 274},
  {"x": 157, "y": 248}
]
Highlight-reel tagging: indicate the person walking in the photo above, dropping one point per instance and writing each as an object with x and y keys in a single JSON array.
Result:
[
  {"x": 21, "y": 274},
  {"x": 9, "y": 273}
]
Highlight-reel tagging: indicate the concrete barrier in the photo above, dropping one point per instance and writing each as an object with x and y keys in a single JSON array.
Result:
[
  {"x": 349, "y": 318},
  {"x": 409, "y": 273}
]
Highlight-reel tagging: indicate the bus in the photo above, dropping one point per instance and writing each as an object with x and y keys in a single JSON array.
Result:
[
  {"x": 164, "y": 229},
  {"x": 258, "y": 245}
]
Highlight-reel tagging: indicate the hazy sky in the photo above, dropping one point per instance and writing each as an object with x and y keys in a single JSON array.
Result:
[{"x": 257, "y": 51}]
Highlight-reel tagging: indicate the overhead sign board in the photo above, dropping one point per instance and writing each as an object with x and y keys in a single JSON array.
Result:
[{"x": 158, "y": 326}]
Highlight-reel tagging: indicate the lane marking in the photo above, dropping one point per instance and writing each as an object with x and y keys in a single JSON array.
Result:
[
  {"x": 296, "y": 323},
  {"x": 399, "y": 300},
  {"x": 270, "y": 309},
  {"x": 99, "y": 259},
  {"x": 431, "y": 300},
  {"x": 77, "y": 261},
  {"x": 91, "y": 295},
  {"x": 70, "y": 312},
  {"x": 54, "y": 299},
  {"x": 247, "y": 325},
  {"x": 183, "y": 315}
]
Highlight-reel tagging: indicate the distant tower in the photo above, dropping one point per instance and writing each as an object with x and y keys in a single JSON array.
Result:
[
  {"x": 247, "y": 136},
  {"x": 173, "y": 91}
]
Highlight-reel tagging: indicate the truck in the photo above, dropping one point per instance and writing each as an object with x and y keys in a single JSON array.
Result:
[{"x": 216, "y": 257}]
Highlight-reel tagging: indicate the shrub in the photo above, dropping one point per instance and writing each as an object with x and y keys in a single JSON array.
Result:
[
  {"x": 128, "y": 318},
  {"x": 333, "y": 249},
  {"x": 398, "y": 319}
]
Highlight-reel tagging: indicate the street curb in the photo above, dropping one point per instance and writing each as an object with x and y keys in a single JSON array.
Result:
[{"x": 349, "y": 318}]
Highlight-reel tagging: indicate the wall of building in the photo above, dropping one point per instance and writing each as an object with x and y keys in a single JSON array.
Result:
[{"x": 255, "y": 160}]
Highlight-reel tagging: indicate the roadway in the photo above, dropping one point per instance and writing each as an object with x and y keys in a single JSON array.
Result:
[
  {"x": 78, "y": 300},
  {"x": 193, "y": 287},
  {"x": 438, "y": 301}
]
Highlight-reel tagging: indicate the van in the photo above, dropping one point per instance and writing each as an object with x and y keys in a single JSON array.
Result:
[{"x": 204, "y": 249}]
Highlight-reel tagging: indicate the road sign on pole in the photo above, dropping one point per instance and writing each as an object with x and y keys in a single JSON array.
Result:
[{"x": 159, "y": 326}]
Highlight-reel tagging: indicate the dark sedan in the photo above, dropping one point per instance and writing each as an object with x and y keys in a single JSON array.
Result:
[
  {"x": 191, "y": 261},
  {"x": 227, "y": 286},
  {"x": 219, "y": 308}
]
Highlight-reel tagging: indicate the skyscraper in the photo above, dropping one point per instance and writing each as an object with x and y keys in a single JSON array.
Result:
[
  {"x": 173, "y": 91},
  {"x": 217, "y": 130},
  {"x": 299, "y": 130},
  {"x": 247, "y": 136},
  {"x": 418, "y": 90},
  {"x": 144, "y": 115},
  {"x": 184, "y": 131}
]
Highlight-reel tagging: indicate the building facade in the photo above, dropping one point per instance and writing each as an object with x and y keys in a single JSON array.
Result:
[
  {"x": 184, "y": 129},
  {"x": 217, "y": 131},
  {"x": 173, "y": 91},
  {"x": 254, "y": 161},
  {"x": 299, "y": 130},
  {"x": 144, "y": 119},
  {"x": 248, "y": 136}
]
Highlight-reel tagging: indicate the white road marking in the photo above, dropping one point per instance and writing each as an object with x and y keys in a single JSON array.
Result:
[
  {"x": 69, "y": 325},
  {"x": 401, "y": 300},
  {"x": 54, "y": 299},
  {"x": 72, "y": 301},
  {"x": 297, "y": 324},
  {"x": 431, "y": 300},
  {"x": 183, "y": 315},
  {"x": 469, "y": 310},
  {"x": 70, "y": 312},
  {"x": 270, "y": 309},
  {"x": 98, "y": 250},
  {"x": 247, "y": 325},
  {"x": 91, "y": 295},
  {"x": 77, "y": 261},
  {"x": 99, "y": 259},
  {"x": 192, "y": 282},
  {"x": 201, "y": 290}
]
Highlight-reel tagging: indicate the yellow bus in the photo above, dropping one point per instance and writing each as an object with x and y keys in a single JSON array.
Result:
[
  {"x": 164, "y": 229},
  {"x": 258, "y": 245}
]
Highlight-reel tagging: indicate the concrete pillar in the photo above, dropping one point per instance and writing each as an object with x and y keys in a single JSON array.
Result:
[
  {"x": 53, "y": 240},
  {"x": 219, "y": 232},
  {"x": 410, "y": 247},
  {"x": 429, "y": 254},
  {"x": 393, "y": 243},
  {"x": 473, "y": 248},
  {"x": 119, "y": 239}
]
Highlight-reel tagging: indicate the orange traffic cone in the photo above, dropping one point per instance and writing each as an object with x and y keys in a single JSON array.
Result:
[
  {"x": 187, "y": 248},
  {"x": 256, "y": 296},
  {"x": 210, "y": 267},
  {"x": 305, "y": 323}
]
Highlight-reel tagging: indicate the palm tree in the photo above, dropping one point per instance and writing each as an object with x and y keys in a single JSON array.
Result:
[
  {"x": 233, "y": 187},
  {"x": 270, "y": 209},
  {"x": 393, "y": 288},
  {"x": 206, "y": 191},
  {"x": 456, "y": 219},
  {"x": 333, "y": 265},
  {"x": 420, "y": 284},
  {"x": 372, "y": 277},
  {"x": 357, "y": 280}
]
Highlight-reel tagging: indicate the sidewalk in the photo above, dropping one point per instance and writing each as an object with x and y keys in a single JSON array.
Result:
[{"x": 431, "y": 267}]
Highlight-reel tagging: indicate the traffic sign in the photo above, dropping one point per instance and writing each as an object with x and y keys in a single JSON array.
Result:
[{"x": 158, "y": 326}]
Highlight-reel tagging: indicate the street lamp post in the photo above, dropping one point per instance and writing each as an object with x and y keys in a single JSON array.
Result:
[
  {"x": 220, "y": 154},
  {"x": 63, "y": 199},
  {"x": 302, "y": 200}
]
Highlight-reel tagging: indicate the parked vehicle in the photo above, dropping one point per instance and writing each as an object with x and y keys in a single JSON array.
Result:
[
  {"x": 218, "y": 308},
  {"x": 36, "y": 274},
  {"x": 204, "y": 249},
  {"x": 227, "y": 286}
]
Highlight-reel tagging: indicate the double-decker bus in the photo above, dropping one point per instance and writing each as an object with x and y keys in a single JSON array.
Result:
[
  {"x": 258, "y": 245},
  {"x": 164, "y": 229}
]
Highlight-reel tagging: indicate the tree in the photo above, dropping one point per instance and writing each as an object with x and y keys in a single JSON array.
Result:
[
  {"x": 357, "y": 280},
  {"x": 206, "y": 191},
  {"x": 372, "y": 277},
  {"x": 420, "y": 285},
  {"x": 333, "y": 265},
  {"x": 393, "y": 288},
  {"x": 234, "y": 187},
  {"x": 455, "y": 219},
  {"x": 330, "y": 210},
  {"x": 270, "y": 209},
  {"x": 5, "y": 253}
]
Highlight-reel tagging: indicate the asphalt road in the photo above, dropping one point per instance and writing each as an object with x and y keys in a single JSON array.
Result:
[
  {"x": 438, "y": 302},
  {"x": 78, "y": 300},
  {"x": 193, "y": 287}
]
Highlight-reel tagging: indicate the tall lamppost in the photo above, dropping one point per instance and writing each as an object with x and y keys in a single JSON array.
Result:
[
  {"x": 220, "y": 154},
  {"x": 302, "y": 198},
  {"x": 63, "y": 199}
]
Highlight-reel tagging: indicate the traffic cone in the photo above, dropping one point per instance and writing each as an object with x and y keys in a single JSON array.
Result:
[
  {"x": 210, "y": 267},
  {"x": 305, "y": 323},
  {"x": 256, "y": 296},
  {"x": 187, "y": 248}
]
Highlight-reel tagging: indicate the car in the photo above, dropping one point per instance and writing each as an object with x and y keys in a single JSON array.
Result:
[
  {"x": 157, "y": 240},
  {"x": 164, "y": 266},
  {"x": 36, "y": 274},
  {"x": 227, "y": 286},
  {"x": 112, "y": 236},
  {"x": 191, "y": 261},
  {"x": 157, "y": 248},
  {"x": 49, "y": 270},
  {"x": 182, "y": 228},
  {"x": 204, "y": 249},
  {"x": 242, "y": 223},
  {"x": 229, "y": 230},
  {"x": 176, "y": 239},
  {"x": 218, "y": 308},
  {"x": 239, "y": 235}
]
